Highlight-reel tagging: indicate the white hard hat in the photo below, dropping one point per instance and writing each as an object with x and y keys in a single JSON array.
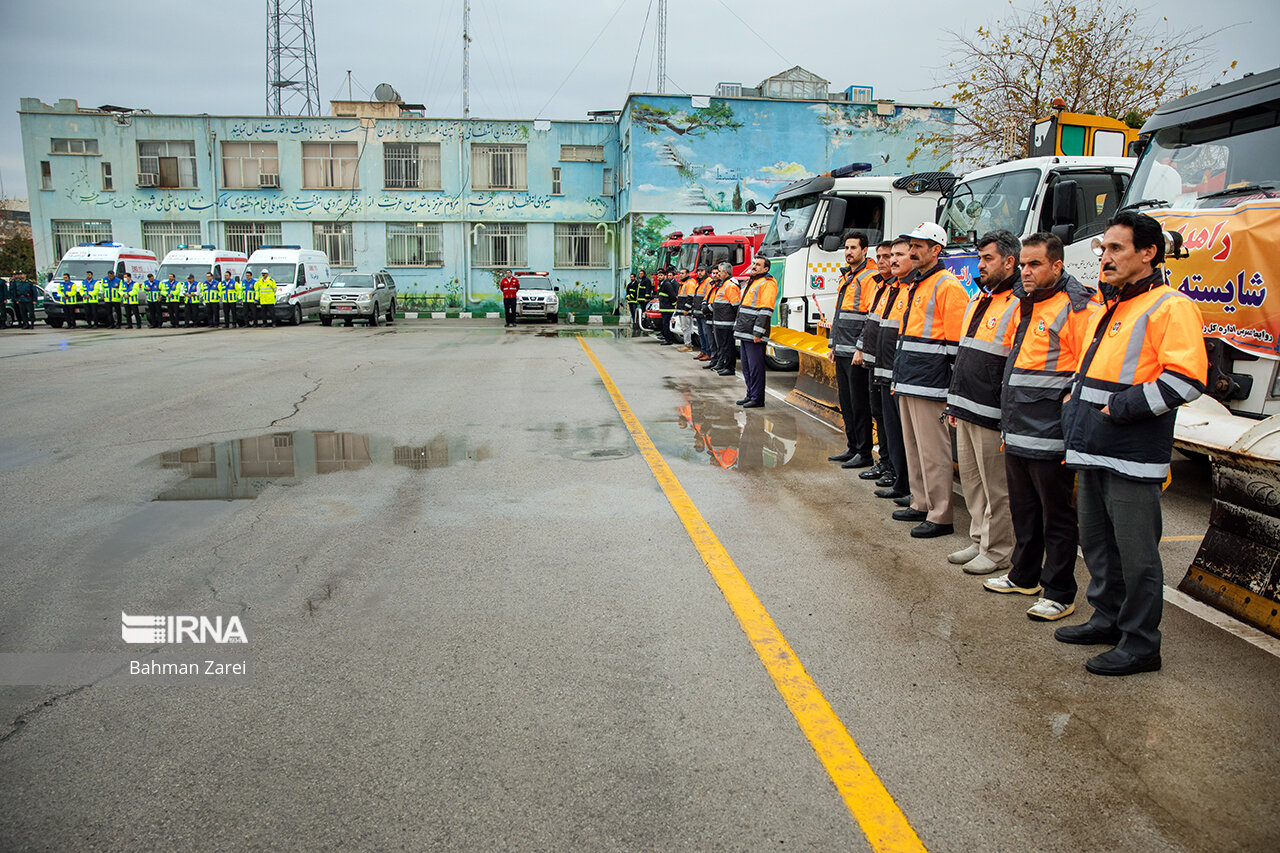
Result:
[
  {"x": 928, "y": 231},
  {"x": 263, "y": 271}
]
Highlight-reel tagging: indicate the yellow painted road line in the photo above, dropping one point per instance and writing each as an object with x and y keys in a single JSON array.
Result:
[
  {"x": 1181, "y": 538},
  {"x": 883, "y": 823}
]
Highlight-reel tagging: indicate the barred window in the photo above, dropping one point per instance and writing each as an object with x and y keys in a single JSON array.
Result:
[
  {"x": 247, "y": 237},
  {"x": 498, "y": 167},
  {"x": 580, "y": 246},
  {"x": 502, "y": 244},
  {"x": 415, "y": 244},
  {"x": 334, "y": 239},
  {"x": 244, "y": 163},
  {"x": 411, "y": 165},
  {"x": 169, "y": 164},
  {"x": 72, "y": 232},
  {"x": 587, "y": 153},
  {"x": 330, "y": 165},
  {"x": 164, "y": 237}
]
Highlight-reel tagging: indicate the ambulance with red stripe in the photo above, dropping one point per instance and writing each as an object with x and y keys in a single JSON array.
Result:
[
  {"x": 100, "y": 259},
  {"x": 198, "y": 260},
  {"x": 301, "y": 277}
]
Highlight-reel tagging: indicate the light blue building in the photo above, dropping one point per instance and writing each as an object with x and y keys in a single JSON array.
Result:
[{"x": 445, "y": 204}]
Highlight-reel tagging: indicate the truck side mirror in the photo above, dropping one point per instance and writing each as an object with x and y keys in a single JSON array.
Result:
[
  {"x": 1066, "y": 212},
  {"x": 831, "y": 243},
  {"x": 751, "y": 205},
  {"x": 836, "y": 209}
]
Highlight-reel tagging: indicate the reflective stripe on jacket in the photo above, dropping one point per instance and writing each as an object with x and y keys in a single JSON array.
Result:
[
  {"x": 266, "y": 291},
  {"x": 1145, "y": 357},
  {"x": 1047, "y": 343},
  {"x": 930, "y": 335},
  {"x": 755, "y": 310},
  {"x": 852, "y": 303},
  {"x": 869, "y": 340},
  {"x": 886, "y": 345},
  {"x": 724, "y": 304},
  {"x": 974, "y": 395}
]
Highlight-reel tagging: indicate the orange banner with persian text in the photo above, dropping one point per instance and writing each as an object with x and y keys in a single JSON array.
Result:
[{"x": 1234, "y": 262}]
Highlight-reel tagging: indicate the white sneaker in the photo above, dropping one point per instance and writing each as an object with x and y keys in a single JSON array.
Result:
[
  {"x": 1046, "y": 610},
  {"x": 1003, "y": 584},
  {"x": 961, "y": 557},
  {"x": 983, "y": 565}
]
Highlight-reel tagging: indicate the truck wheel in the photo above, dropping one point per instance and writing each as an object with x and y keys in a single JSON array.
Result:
[
  {"x": 373, "y": 318},
  {"x": 297, "y": 314},
  {"x": 391, "y": 312},
  {"x": 784, "y": 359},
  {"x": 326, "y": 321}
]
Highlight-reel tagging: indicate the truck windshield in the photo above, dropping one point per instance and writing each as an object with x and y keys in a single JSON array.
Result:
[
  {"x": 280, "y": 273},
  {"x": 667, "y": 256},
  {"x": 790, "y": 223},
  {"x": 688, "y": 254},
  {"x": 1218, "y": 163},
  {"x": 985, "y": 204}
]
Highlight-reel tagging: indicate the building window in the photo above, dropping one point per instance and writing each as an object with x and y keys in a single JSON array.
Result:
[
  {"x": 415, "y": 244},
  {"x": 555, "y": 180},
  {"x": 606, "y": 187},
  {"x": 73, "y": 146},
  {"x": 68, "y": 233},
  {"x": 329, "y": 165},
  {"x": 502, "y": 244},
  {"x": 498, "y": 167},
  {"x": 586, "y": 153},
  {"x": 247, "y": 237},
  {"x": 46, "y": 175},
  {"x": 167, "y": 164},
  {"x": 108, "y": 183},
  {"x": 580, "y": 246},
  {"x": 163, "y": 237},
  {"x": 411, "y": 165},
  {"x": 245, "y": 163},
  {"x": 334, "y": 239}
]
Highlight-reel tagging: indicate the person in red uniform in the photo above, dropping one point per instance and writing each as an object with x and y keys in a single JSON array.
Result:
[
  {"x": 510, "y": 287},
  {"x": 1144, "y": 356}
]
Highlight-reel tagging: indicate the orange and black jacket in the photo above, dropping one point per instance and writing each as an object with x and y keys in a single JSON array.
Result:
[
  {"x": 724, "y": 299},
  {"x": 1047, "y": 343},
  {"x": 869, "y": 338},
  {"x": 755, "y": 310},
  {"x": 1145, "y": 357},
  {"x": 685, "y": 295},
  {"x": 930, "y": 335},
  {"x": 886, "y": 344},
  {"x": 974, "y": 395},
  {"x": 852, "y": 301}
]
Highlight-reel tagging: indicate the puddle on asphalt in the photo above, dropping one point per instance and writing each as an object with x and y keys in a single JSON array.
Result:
[
  {"x": 588, "y": 442},
  {"x": 241, "y": 468},
  {"x": 589, "y": 332}
]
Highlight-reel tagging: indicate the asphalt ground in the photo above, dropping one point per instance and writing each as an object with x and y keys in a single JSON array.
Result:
[{"x": 483, "y": 626}]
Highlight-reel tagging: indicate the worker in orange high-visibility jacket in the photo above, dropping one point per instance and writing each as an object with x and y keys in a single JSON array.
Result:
[
  {"x": 751, "y": 328},
  {"x": 973, "y": 405},
  {"x": 866, "y": 359},
  {"x": 701, "y": 316},
  {"x": 1052, "y": 317},
  {"x": 927, "y": 346},
  {"x": 724, "y": 316},
  {"x": 882, "y": 349},
  {"x": 853, "y": 300},
  {"x": 1145, "y": 356},
  {"x": 684, "y": 304}
]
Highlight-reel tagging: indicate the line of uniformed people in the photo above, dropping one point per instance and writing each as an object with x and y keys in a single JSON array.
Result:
[
  {"x": 22, "y": 294},
  {"x": 121, "y": 302}
]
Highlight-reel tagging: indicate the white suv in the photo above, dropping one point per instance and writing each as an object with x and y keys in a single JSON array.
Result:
[
  {"x": 538, "y": 297},
  {"x": 359, "y": 296}
]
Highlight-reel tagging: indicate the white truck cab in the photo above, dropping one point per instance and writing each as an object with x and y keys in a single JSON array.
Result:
[
  {"x": 198, "y": 260},
  {"x": 100, "y": 259},
  {"x": 301, "y": 276}
]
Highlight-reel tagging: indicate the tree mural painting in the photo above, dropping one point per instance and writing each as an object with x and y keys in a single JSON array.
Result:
[
  {"x": 716, "y": 117},
  {"x": 646, "y": 234}
]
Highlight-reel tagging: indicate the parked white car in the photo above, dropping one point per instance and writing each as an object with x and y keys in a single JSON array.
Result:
[
  {"x": 367, "y": 296},
  {"x": 538, "y": 297}
]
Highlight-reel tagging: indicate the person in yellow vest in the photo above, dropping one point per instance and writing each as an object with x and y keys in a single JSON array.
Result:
[
  {"x": 211, "y": 299},
  {"x": 69, "y": 295},
  {"x": 191, "y": 302},
  {"x": 227, "y": 296},
  {"x": 92, "y": 289},
  {"x": 130, "y": 298},
  {"x": 248, "y": 298},
  {"x": 266, "y": 290},
  {"x": 173, "y": 299}
]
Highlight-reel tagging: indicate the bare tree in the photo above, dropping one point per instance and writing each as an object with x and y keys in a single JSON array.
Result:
[{"x": 1099, "y": 56}]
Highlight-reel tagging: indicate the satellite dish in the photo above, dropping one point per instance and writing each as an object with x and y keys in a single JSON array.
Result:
[{"x": 384, "y": 92}]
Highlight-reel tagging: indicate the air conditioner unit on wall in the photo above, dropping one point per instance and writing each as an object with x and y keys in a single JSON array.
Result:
[
  {"x": 148, "y": 179},
  {"x": 266, "y": 181}
]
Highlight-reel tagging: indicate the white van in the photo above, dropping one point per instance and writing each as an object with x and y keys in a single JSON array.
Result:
[
  {"x": 99, "y": 259},
  {"x": 301, "y": 276},
  {"x": 198, "y": 260}
]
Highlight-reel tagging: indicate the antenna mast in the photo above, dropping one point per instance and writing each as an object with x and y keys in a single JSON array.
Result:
[
  {"x": 466, "y": 58},
  {"x": 662, "y": 47},
  {"x": 293, "y": 83}
]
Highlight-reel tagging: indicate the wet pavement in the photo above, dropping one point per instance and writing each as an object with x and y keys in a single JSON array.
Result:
[{"x": 476, "y": 622}]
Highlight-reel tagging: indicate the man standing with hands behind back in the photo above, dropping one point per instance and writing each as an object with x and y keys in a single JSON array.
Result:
[
  {"x": 751, "y": 329},
  {"x": 510, "y": 286}
]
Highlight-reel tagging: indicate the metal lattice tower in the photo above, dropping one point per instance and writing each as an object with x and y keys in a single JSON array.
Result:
[
  {"x": 662, "y": 46},
  {"x": 293, "y": 80}
]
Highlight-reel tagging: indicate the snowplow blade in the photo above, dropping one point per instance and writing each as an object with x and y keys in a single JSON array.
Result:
[
  {"x": 1237, "y": 569},
  {"x": 815, "y": 390}
]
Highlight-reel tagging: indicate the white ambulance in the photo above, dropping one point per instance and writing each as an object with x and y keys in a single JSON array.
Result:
[
  {"x": 198, "y": 260},
  {"x": 99, "y": 259},
  {"x": 301, "y": 276}
]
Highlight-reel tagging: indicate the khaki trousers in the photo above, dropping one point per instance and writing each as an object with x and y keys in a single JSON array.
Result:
[
  {"x": 986, "y": 490},
  {"x": 928, "y": 444}
]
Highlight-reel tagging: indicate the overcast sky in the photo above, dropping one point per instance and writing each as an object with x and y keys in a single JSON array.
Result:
[{"x": 186, "y": 57}]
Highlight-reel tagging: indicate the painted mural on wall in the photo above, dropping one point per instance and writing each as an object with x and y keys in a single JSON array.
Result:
[{"x": 717, "y": 157}]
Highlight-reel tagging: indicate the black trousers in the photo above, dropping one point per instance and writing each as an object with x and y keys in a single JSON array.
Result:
[
  {"x": 269, "y": 315},
  {"x": 153, "y": 314},
  {"x": 211, "y": 312},
  {"x": 175, "y": 313},
  {"x": 726, "y": 351},
  {"x": 666, "y": 327},
  {"x": 855, "y": 404},
  {"x": 509, "y": 310},
  {"x": 91, "y": 314},
  {"x": 1042, "y": 504},
  {"x": 132, "y": 316},
  {"x": 115, "y": 314},
  {"x": 876, "y": 408},
  {"x": 27, "y": 314},
  {"x": 753, "y": 369},
  {"x": 892, "y": 438}
]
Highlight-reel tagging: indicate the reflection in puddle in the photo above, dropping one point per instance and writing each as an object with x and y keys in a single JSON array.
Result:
[
  {"x": 588, "y": 332},
  {"x": 716, "y": 433},
  {"x": 241, "y": 468}
]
